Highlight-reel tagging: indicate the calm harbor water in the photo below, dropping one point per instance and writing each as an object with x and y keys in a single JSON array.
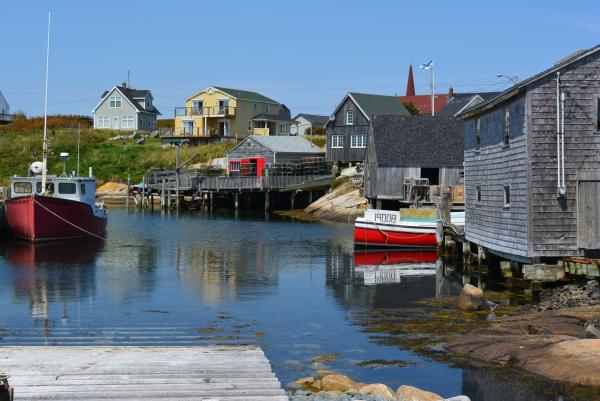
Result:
[{"x": 295, "y": 288}]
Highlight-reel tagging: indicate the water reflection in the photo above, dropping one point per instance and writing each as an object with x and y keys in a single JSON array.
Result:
[{"x": 386, "y": 279}]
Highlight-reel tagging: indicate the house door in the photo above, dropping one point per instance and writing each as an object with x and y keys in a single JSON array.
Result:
[
  {"x": 588, "y": 215},
  {"x": 115, "y": 123},
  {"x": 224, "y": 128}
]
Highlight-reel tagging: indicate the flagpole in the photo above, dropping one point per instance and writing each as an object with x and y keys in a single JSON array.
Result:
[
  {"x": 45, "y": 144},
  {"x": 432, "y": 90}
]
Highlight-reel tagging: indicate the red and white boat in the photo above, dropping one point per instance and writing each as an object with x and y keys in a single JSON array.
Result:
[
  {"x": 67, "y": 209},
  {"x": 46, "y": 208},
  {"x": 386, "y": 228}
]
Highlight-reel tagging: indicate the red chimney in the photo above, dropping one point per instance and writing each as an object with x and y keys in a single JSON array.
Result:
[{"x": 410, "y": 85}]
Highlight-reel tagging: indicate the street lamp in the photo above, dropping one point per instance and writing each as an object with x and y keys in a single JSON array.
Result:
[{"x": 514, "y": 79}]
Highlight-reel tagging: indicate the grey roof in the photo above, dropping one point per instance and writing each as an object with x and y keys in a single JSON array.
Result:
[
  {"x": 379, "y": 104},
  {"x": 521, "y": 86},
  {"x": 460, "y": 100},
  {"x": 285, "y": 144},
  {"x": 425, "y": 141},
  {"x": 314, "y": 118},
  {"x": 132, "y": 95},
  {"x": 284, "y": 115},
  {"x": 246, "y": 95}
]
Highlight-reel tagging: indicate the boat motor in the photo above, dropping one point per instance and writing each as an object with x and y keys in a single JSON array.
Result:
[{"x": 6, "y": 391}]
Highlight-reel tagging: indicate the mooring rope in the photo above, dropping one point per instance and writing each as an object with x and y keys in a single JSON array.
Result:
[{"x": 68, "y": 222}]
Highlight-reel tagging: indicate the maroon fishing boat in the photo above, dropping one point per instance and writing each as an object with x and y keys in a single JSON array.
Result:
[
  {"x": 45, "y": 208},
  {"x": 67, "y": 209}
]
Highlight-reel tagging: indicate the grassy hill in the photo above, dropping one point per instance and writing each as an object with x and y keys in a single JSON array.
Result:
[{"x": 111, "y": 160}]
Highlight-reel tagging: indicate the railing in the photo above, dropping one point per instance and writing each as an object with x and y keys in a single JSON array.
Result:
[
  {"x": 212, "y": 111},
  {"x": 159, "y": 180},
  {"x": 261, "y": 131},
  {"x": 266, "y": 182},
  {"x": 199, "y": 131}
]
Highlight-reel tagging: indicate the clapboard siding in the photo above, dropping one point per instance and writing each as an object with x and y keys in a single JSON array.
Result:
[
  {"x": 338, "y": 127},
  {"x": 554, "y": 221}
]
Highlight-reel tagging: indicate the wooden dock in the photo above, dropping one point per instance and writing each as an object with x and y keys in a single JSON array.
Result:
[{"x": 215, "y": 373}]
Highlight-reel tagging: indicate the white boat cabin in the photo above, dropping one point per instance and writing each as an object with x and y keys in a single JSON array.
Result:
[{"x": 81, "y": 189}]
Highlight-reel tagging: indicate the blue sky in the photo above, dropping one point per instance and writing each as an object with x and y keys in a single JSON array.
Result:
[{"x": 306, "y": 54}]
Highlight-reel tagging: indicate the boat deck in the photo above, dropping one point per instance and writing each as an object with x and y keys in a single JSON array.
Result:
[{"x": 223, "y": 373}]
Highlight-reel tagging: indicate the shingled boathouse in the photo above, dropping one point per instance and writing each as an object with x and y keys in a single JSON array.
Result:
[{"x": 532, "y": 164}]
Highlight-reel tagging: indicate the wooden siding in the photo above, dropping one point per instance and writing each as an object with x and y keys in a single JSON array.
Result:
[
  {"x": 245, "y": 151},
  {"x": 451, "y": 176},
  {"x": 554, "y": 221},
  {"x": 339, "y": 127},
  {"x": 588, "y": 213},
  {"x": 495, "y": 165}
]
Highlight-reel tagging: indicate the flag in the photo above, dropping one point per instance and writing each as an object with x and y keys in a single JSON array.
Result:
[{"x": 427, "y": 66}]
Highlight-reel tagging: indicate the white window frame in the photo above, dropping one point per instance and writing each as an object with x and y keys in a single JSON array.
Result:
[
  {"x": 267, "y": 108},
  {"x": 478, "y": 134},
  {"x": 281, "y": 128},
  {"x": 235, "y": 163},
  {"x": 506, "y": 130},
  {"x": 356, "y": 143},
  {"x": 337, "y": 141},
  {"x": 349, "y": 117},
  {"x": 255, "y": 107},
  {"x": 127, "y": 122},
  {"x": 115, "y": 102},
  {"x": 102, "y": 122}
]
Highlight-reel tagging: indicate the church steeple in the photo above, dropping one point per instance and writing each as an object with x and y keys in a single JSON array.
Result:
[{"x": 410, "y": 84}]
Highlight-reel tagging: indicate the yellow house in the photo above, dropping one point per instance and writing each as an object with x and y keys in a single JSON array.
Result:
[{"x": 231, "y": 113}]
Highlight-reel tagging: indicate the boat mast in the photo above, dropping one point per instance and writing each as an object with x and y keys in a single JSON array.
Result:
[{"x": 45, "y": 144}]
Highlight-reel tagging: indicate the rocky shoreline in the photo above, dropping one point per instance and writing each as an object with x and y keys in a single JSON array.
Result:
[
  {"x": 330, "y": 386},
  {"x": 343, "y": 203}
]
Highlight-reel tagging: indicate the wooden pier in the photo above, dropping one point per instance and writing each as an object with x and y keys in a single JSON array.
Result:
[
  {"x": 171, "y": 188},
  {"x": 215, "y": 373}
]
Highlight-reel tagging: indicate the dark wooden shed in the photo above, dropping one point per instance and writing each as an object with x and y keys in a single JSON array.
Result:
[{"x": 411, "y": 147}]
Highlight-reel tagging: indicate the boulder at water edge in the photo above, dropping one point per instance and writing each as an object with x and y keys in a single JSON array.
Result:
[
  {"x": 471, "y": 299},
  {"x": 337, "y": 383},
  {"x": 409, "y": 393},
  {"x": 378, "y": 390}
]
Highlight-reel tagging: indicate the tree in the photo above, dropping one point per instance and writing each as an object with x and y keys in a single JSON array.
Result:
[{"x": 412, "y": 109}]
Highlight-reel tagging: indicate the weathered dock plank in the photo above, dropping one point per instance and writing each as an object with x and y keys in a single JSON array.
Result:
[{"x": 212, "y": 373}]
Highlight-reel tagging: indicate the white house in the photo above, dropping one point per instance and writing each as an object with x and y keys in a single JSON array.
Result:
[
  {"x": 302, "y": 122},
  {"x": 4, "y": 110},
  {"x": 123, "y": 108}
]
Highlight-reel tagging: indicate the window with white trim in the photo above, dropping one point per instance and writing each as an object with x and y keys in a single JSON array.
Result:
[
  {"x": 349, "y": 117},
  {"x": 266, "y": 108},
  {"x": 250, "y": 125},
  {"x": 255, "y": 107},
  {"x": 127, "y": 122},
  {"x": 337, "y": 141},
  {"x": 234, "y": 165},
  {"x": 358, "y": 141},
  {"x": 115, "y": 102},
  {"x": 281, "y": 128},
  {"x": 102, "y": 122}
]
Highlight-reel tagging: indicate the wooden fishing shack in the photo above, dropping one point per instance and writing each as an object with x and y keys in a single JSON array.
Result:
[{"x": 532, "y": 165}]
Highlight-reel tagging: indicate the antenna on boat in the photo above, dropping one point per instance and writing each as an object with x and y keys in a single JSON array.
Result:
[
  {"x": 78, "y": 140},
  {"x": 45, "y": 144}
]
